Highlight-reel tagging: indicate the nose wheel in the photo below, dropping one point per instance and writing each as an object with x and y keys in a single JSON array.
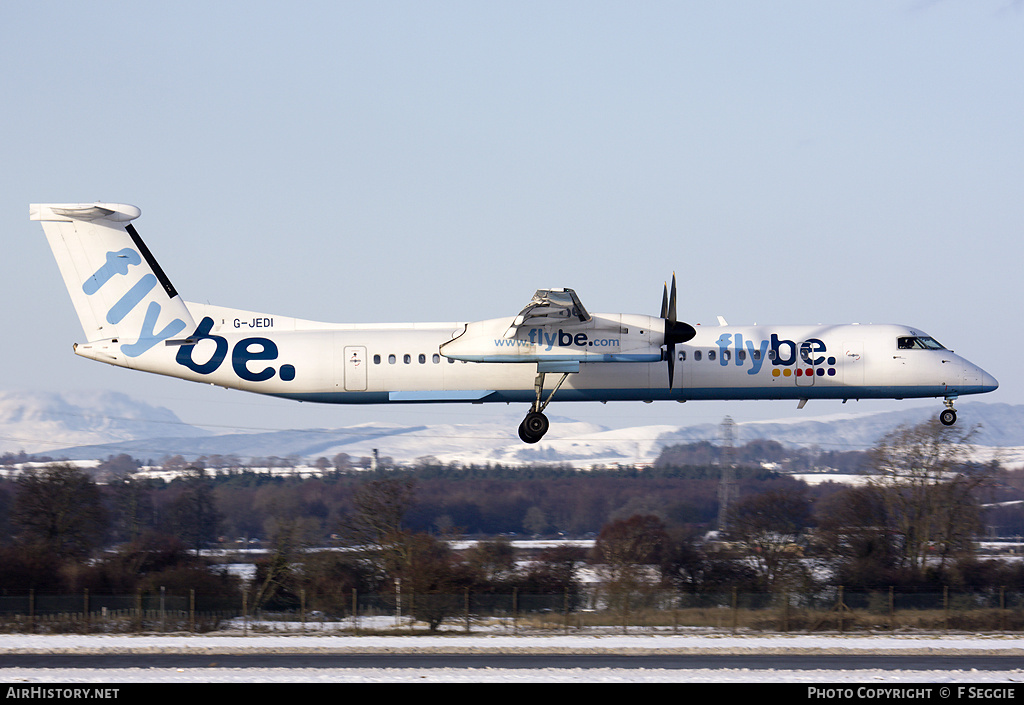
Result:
[{"x": 948, "y": 415}]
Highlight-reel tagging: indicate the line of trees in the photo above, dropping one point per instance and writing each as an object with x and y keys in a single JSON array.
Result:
[{"x": 910, "y": 524}]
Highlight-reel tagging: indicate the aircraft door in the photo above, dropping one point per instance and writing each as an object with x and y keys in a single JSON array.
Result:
[
  {"x": 804, "y": 370},
  {"x": 853, "y": 363},
  {"x": 355, "y": 368}
]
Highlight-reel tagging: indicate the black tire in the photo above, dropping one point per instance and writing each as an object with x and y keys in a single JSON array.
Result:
[
  {"x": 525, "y": 436},
  {"x": 533, "y": 427},
  {"x": 948, "y": 417}
]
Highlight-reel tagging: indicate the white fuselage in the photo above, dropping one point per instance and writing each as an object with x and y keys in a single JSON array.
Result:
[{"x": 375, "y": 364}]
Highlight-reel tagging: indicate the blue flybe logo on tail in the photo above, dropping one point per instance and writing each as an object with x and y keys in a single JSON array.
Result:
[
  {"x": 244, "y": 355},
  {"x": 118, "y": 264}
]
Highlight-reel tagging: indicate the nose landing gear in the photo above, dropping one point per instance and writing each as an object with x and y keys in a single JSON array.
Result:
[{"x": 948, "y": 415}]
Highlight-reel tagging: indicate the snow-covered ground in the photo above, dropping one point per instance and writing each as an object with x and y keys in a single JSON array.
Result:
[{"x": 670, "y": 644}]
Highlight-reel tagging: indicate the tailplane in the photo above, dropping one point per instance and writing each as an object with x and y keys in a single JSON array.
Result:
[{"x": 125, "y": 302}]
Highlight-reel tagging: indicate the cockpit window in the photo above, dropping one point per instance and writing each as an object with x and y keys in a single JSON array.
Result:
[{"x": 918, "y": 343}]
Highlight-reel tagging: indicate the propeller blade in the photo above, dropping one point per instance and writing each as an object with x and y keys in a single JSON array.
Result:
[
  {"x": 675, "y": 331},
  {"x": 671, "y": 364},
  {"x": 672, "y": 300}
]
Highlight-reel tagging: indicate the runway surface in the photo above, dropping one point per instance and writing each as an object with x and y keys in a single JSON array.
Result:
[
  {"x": 455, "y": 658},
  {"x": 516, "y": 661}
]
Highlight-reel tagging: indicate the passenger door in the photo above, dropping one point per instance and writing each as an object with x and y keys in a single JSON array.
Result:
[{"x": 355, "y": 368}]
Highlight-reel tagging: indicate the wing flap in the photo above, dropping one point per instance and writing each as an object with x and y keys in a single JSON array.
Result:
[{"x": 550, "y": 306}]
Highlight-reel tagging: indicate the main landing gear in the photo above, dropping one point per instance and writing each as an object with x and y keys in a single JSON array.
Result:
[
  {"x": 536, "y": 424},
  {"x": 948, "y": 415},
  {"x": 533, "y": 427}
]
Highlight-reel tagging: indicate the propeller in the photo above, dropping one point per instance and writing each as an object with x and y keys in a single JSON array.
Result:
[{"x": 676, "y": 332}]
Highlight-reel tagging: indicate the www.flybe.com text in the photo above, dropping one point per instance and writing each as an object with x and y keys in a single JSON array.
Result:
[{"x": 542, "y": 338}]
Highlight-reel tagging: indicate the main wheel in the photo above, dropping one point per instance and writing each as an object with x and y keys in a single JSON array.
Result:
[
  {"x": 948, "y": 417},
  {"x": 533, "y": 427}
]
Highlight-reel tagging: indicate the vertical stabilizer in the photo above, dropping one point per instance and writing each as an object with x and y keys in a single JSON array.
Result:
[{"x": 125, "y": 302}]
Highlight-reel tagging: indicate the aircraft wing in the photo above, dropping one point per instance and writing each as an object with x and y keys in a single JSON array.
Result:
[{"x": 548, "y": 306}]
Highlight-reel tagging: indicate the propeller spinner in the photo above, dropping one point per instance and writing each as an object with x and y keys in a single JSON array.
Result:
[{"x": 676, "y": 332}]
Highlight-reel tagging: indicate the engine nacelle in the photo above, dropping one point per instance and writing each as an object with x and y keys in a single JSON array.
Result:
[{"x": 603, "y": 338}]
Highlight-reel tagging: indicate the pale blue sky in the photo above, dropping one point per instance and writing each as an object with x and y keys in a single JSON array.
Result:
[{"x": 792, "y": 162}]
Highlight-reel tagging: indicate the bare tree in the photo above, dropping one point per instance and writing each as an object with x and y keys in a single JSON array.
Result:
[
  {"x": 930, "y": 489},
  {"x": 59, "y": 509},
  {"x": 289, "y": 536},
  {"x": 708, "y": 576},
  {"x": 554, "y": 572},
  {"x": 492, "y": 562},
  {"x": 376, "y": 523},
  {"x": 194, "y": 515},
  {"x": 628, "y": 554},
  {"x": 133, "y": 505},
  {"x": 433, "y": 578},
  {"x": 855, "y": 536},
  {"x": 770, "y": 526}
]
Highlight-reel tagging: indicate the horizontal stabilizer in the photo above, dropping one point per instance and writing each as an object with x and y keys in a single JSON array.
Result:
[{"x": 115, "y": 212}]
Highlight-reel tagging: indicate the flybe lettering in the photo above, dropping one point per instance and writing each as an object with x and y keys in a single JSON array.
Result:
[
  {"x": 118, "y": 264},
  {"x": 541, "y": 338},
  {"x": 783, "y": 354},
  {"x": 131, "y": 299},
  {"x": 246, "y": 351},
  {"x": 148, "y": 337}
]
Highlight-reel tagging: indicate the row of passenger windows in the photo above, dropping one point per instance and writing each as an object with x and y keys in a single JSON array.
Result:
[
  {"x": 726, "y": 354},
  {"x": 916, "y": 343},
  {"x": 407, "y": 359},
  {"x": 903, "y": 343}
]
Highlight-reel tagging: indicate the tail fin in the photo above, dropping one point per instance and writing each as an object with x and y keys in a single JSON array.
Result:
[{"x": 125, "y": 302}]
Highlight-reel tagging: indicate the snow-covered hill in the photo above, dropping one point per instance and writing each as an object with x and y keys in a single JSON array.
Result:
[
  {"x": 92, "y": 426},
  {"x": 45, "y": 422}
]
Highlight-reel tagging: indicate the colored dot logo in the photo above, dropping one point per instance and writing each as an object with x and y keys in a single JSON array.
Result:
[{"x": 820, "y": 371}]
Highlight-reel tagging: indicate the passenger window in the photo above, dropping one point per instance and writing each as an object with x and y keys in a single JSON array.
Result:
[
  {"x": 726, "y": 355},
  {"x": 436, "y": 359},
  {"x": 407, "y": 358},
  {"x": 391, "y": 359},
  {"x": 376, "y": 359},
  {"x": 423, "y": 359},
  {"x": 741, "y": 354},
  {"x": 711, "y": 354},
  {"x": 696, "y": 355}
]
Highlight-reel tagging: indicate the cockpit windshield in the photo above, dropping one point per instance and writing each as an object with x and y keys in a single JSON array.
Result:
[{"x": 918, "y": 343}]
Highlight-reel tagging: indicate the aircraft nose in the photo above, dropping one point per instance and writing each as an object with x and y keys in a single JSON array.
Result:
[
  {"x": 988, "y": 382},
  {"x": 978, "y": 379}
]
